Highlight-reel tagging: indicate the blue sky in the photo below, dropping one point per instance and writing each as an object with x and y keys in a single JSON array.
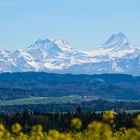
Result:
[{"x": 85, "y": 24}]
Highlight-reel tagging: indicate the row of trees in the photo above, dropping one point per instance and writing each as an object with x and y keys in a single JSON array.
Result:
[
  {"x": 95, "y": 105},
  {"x": 61, "y": 121}
]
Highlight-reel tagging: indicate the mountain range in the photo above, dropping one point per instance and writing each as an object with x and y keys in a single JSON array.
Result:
[{"x": 116, "y": 55}]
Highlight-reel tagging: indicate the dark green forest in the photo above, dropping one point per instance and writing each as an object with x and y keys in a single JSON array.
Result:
[
  {"x": 91, "y": 106},
  {"x": 118, "y": 92},
  {"x": 61, "y": 121},
  {"x": 35, "y": 84}
]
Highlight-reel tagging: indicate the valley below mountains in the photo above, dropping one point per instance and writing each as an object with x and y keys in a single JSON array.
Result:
[{"x": 42, "y": 92}]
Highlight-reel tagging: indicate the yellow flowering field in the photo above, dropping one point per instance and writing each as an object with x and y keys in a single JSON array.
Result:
[{"x": 96, "y": 130}]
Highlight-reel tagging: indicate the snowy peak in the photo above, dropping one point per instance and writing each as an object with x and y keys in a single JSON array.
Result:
[
  {"x": 62, "y": 44},
  {"x": 51, "y": 49},
  {"x": 116, "y": 46},
  {"x": 56, "y": 55},
  {"x": 45, "y": 44},
  {"x": 115, "y": 38},
  {"x": 51, "y": 45},
  {"x": 118, "y": 41}
]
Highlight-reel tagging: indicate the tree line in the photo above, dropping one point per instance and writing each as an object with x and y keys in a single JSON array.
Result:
[{"x": 61, "y": 121}]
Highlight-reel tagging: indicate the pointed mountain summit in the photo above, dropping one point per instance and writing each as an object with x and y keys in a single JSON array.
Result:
[
  {"x": 117, "y": 41},
  {"x": 51, "y": 46}
]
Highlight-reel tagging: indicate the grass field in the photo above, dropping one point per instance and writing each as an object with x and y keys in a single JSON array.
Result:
[
  {"x": 74, "y": 99},
  {"x": 46, "y": 100}
]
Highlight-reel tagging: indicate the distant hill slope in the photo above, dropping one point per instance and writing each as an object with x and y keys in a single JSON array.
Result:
[{"x": 33, "y": 84}]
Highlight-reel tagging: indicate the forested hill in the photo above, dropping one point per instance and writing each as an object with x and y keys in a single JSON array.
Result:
[{"x": 34, "y": 84}]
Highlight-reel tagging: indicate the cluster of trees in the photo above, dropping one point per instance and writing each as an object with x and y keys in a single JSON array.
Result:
[
  {"x": 91, "y": 106},
  {"x": 61, "y": 121}
]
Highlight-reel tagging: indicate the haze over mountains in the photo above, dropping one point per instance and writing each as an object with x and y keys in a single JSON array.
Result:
[{"x": 116, "y": 55}]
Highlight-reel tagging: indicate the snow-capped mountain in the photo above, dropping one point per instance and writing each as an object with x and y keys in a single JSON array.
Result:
[
  {"x": 50, "y": 55},
  {"x": 116, "y": 55}
]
